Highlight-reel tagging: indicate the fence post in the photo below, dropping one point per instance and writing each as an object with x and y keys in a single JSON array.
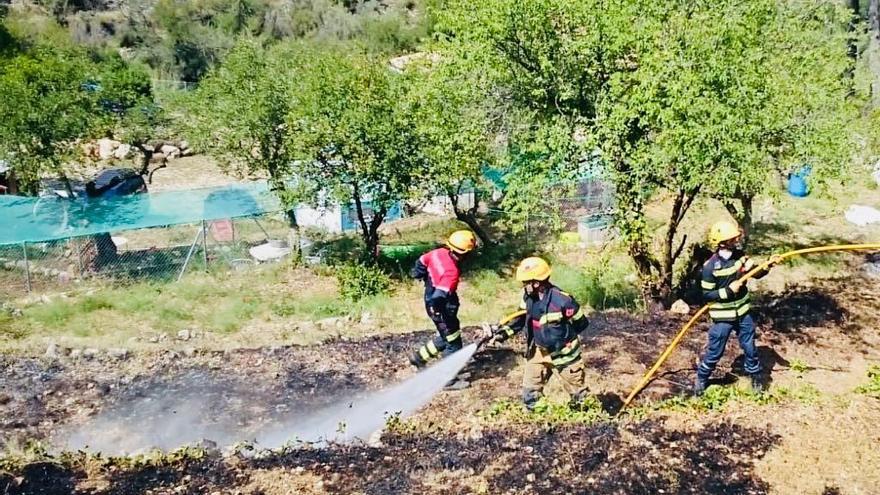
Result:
[
  {"x": 27, "y": 267},
  {"x": 205, "y": 242}
]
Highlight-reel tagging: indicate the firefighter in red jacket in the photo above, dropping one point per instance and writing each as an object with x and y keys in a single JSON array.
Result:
[
  {"x": 552, "y": 320},
  {"x": 439, "y": 269}
]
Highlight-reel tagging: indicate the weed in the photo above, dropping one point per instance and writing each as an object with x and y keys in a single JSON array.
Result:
[
  {"x": 358, "y": 281},
  {"x": 872, "y": 388},
  {"x": 602, "y": 284},
  {"x": 547, "y": 413},
  {"x": 799, "y": 366},
  {"x": 717, "y": 398}
]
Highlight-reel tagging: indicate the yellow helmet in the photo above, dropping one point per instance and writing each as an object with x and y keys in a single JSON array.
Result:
[
  {"x": 462, "y": 241},
  {"x": 723, "y": 231},
  {"x": 533, "y": 268}
]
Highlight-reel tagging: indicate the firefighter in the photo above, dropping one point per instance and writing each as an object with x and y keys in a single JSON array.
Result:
[
  {"x": 552, "y": 321},
  {"x": 729, "y": 301},
  {"x": 439, "y": 269}
]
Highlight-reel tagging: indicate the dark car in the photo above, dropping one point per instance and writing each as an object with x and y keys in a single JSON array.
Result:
[{"x": 116, "y": 182}]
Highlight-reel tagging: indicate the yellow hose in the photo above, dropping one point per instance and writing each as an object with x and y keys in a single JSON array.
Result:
[{"x": 751, "y": 273}]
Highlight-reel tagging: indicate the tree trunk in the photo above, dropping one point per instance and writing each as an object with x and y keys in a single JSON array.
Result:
[
  {"x": 874, "y": 18},
  {"x": 294, "y": 234},
  {"x": 852, "y": 46},
  {"x": 742, "y": 213},
  {"x": 469, "y": 217},
  {"x": 369, "y": 230}
]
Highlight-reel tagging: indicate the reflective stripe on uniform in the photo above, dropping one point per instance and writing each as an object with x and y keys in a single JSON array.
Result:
[
  {"x": 550, "y": 318},
  {"x": 567, "y": 354},
  {"x": 722, "y": 293},
  {"x": 508, "y": 331},
  {"x": 729, "y": 313},
  {"x": 730, "y": 304},
  {"x": 724, "y": 272},
  {"x": 432, "y": 349},
  {"x": 708, "y": 285},
  {"x": 570, "y": 347},
  {"x": 453, "y": 336},
  {"x": 423, "y": 352}
]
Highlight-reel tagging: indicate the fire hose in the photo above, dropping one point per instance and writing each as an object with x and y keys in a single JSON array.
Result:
[{"x": 751, "y": 273}]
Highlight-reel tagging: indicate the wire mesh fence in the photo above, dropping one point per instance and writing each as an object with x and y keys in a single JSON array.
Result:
[
  {"x": 159, "y": 253},
  {"x": 166, "y": 253}
]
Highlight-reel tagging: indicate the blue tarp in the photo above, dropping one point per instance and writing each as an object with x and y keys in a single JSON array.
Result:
[{"x": 27, "y": 219}]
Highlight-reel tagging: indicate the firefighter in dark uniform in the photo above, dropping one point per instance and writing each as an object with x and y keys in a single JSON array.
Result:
[
  {"x": 552, "y": 321},
  {"x": 729, "y": 302},
  {"x": 439, "y": 269}
]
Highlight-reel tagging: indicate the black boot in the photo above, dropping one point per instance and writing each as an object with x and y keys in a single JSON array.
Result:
[
  {"x": 759, "y": 385},
  {"x": 416, "y": 360},
  {"x": 700, "y": 385}
]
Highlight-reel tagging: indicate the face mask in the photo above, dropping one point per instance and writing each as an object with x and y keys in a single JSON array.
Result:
[{"x": 725, "y": 254}]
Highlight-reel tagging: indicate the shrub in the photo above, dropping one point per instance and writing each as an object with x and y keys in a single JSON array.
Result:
[{"x": 358, "y": 281}]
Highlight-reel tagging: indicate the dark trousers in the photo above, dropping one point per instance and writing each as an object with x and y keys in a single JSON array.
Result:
[
  {"x": 718, "y": 335},
  {"x": 448, "y": 338},
  {"x": 445, "y": 318}
]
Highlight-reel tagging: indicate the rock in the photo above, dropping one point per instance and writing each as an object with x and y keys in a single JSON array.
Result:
[
  {"x": 90, "y": 353},
  {"x": 170, "y": 151},
  {"x": 375, "y": 440},
  {"x": 154, "y": 339},
  {"x": 366, "y": 318},
  {"x": 118, "y": 353},
  {"x": 184, "y": 335},
  {"x": 158, "y": 158},
  {"x": 122, "y": 152},
  {"x": 189, "y": 352},
  {"x": 52, "y": 351},
  {"x": 76, "y": 353},
  {"x": 106, "y": 147},
  {"x": 680, "y": 307}
]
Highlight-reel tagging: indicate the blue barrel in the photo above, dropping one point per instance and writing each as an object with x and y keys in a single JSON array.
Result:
[{"x": 797, "y": 182}]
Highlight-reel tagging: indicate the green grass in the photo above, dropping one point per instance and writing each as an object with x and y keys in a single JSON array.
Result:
[
  {"x": 872, "y": 388},
  {"x": 603, "y": 283},
  {"x": 545, "y": 413},
  {"x": 717, "y": 398}
]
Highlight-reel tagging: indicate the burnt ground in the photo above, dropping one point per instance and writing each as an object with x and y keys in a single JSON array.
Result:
[{"x": 829, "y": 325}]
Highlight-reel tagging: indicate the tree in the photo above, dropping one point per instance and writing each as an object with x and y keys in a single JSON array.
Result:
[
  {"x": 676, "y": 95},
  {"x": 356, "y": 137},
  {"x": 455, "y": 133},
  {"x": 53, "y": 108},
  {"x": 240, "y": 114},
  {"x": 134, "y": 117}
]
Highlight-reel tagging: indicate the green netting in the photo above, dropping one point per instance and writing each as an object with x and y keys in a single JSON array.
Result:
[{"x": 26, "y": 219}]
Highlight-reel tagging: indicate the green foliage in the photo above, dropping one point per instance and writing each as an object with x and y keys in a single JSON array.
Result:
[
  {"x": 358, "y": 281},
  {"x": 546, "y": 413},
  {"x": 51, "y": 110},
  {"x": 799, "y": 366},
  {"x": 603, "y": 283},
  {"x": 354, "y": 133},
  {"x": 717, "y": 398},
  {"x": 872, "y": 388},
  {"x": 679, "y": 99},
  {"x": 249, "y": 96}
]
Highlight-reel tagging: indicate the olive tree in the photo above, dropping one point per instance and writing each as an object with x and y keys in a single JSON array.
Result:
[{"x": 682, "y": 99}]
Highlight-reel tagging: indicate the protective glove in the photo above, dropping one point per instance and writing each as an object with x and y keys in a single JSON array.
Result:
[
  {"x": 735, "y": 286},
  {"x": 748, "y": 265},
  {"x": 775, "y": 260}
]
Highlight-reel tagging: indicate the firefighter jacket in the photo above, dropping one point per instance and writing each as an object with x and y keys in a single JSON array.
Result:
[
  {"x": 440, "y": 272},
  {"x": 718, "y": 274},
  {"x": 552, "y": 322}
]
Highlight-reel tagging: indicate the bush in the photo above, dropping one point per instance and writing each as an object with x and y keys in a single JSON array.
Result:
[{"x": 358, "y": 281}]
